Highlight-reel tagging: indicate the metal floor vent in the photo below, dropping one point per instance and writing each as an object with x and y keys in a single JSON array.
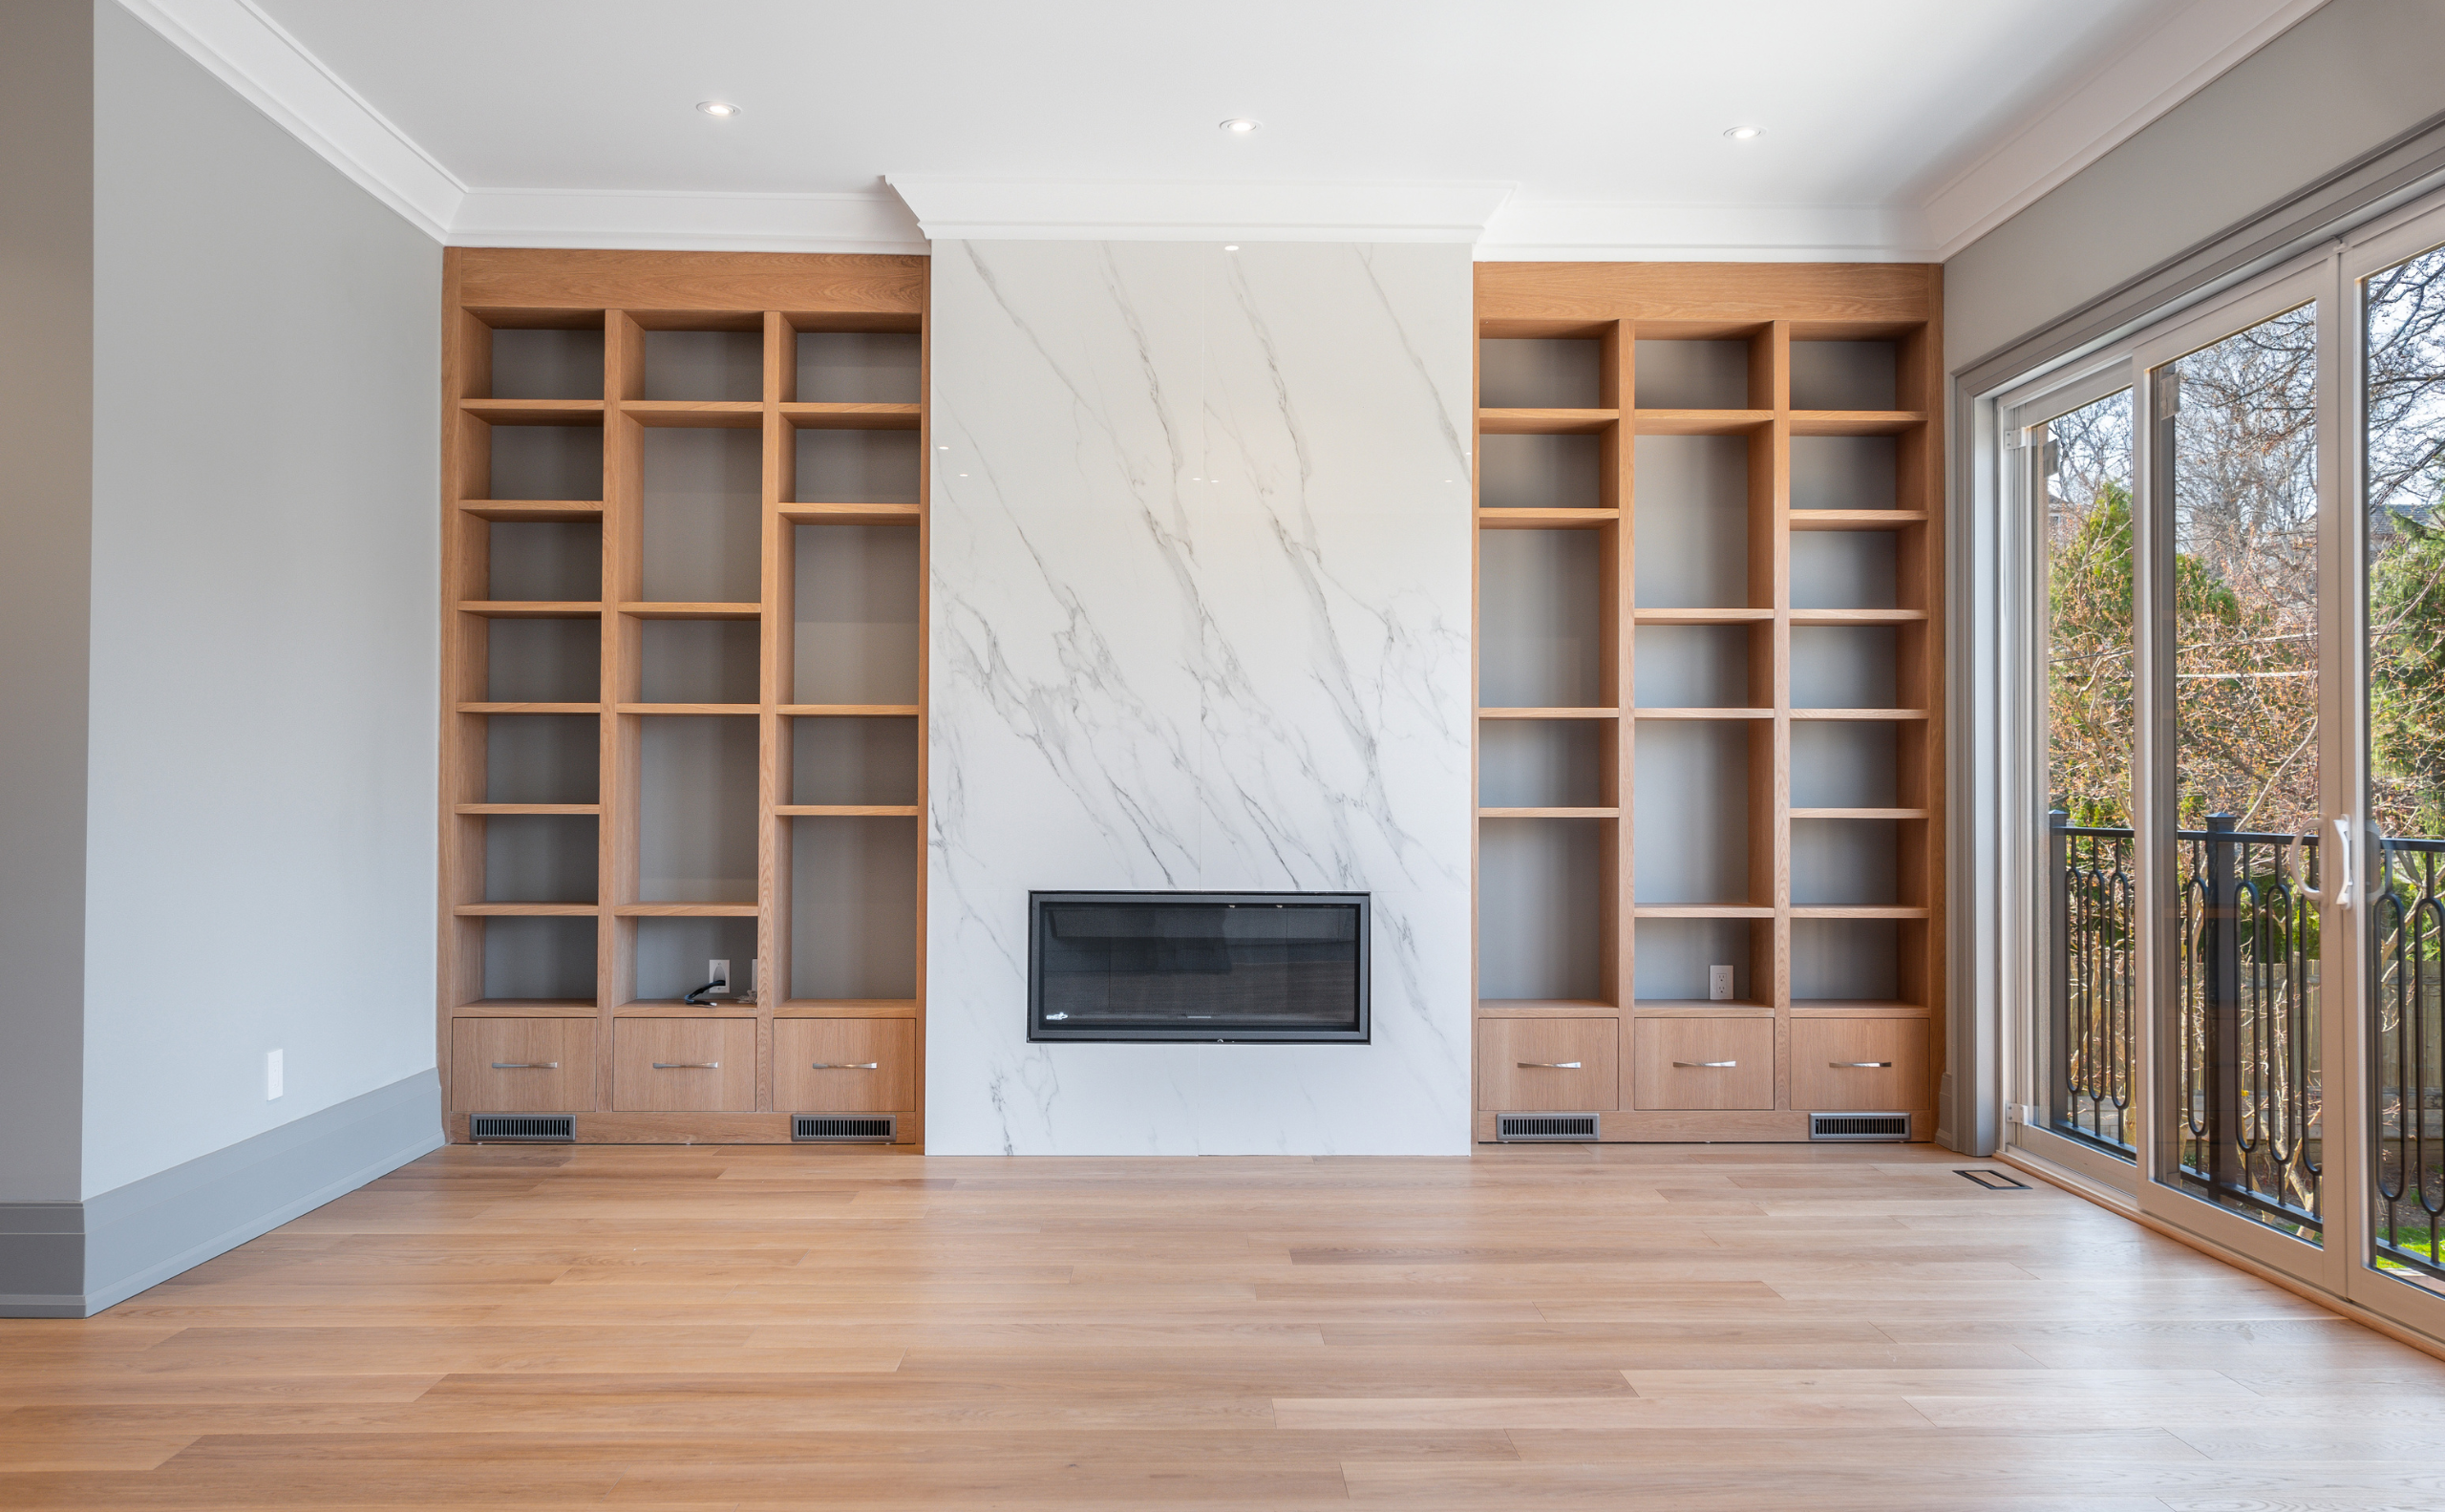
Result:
[
  {"x": 1859, "y": 1126},
  {"x": 1510, "y": 1127},
  {"x": 877, "y": 1128},
  {"x": 532, "y": 1128}
]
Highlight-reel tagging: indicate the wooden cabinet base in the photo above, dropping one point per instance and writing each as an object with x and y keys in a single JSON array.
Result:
[
  {"x": 703, "y": 1128},
  {"x": 1762, "y": 1126}
]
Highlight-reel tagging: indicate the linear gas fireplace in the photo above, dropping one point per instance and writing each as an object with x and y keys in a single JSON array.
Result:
[{"x": 1234, "y": 967}]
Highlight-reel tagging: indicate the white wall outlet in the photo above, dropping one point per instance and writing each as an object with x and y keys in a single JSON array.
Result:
[
  {"x": 1719, "y": 983},
  {"x": 718, "y": 972},
  {"x": 275, "y": 1074}
]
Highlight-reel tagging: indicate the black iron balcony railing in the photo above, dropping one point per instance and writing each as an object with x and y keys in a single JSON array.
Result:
[{"x": 2247, "y": 1088}]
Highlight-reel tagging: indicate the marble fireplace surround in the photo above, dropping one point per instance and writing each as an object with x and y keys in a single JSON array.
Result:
[{"x": 1199, "y": 621}]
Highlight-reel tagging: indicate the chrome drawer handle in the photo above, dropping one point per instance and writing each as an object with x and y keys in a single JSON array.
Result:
[
  {"x": 1860, "y": 1065},
  {"x": 527, "y": 1065},
  {"x": 844, "y": 1065},
  {"x": 687, "y": 1065},
  {"x": 1705, "y": 1065},
  {"x": 1550, "y": 1065}
]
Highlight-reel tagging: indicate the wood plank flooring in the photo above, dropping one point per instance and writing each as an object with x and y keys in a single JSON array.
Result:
[{"x": 1681, "y": 1327}]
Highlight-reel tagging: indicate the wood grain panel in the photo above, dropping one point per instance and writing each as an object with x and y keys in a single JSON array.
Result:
[
  {"x": 844, "y": 1065},
  {"x": 1863, "y": 1064},
  {"x": 669, "y": 1065},
  {"x": 1673, "y": 1063},
  {"x": 809, "y": 283},
  {"x": 522, "y": 1065},
  {"x": 1549, "y": 1082}
]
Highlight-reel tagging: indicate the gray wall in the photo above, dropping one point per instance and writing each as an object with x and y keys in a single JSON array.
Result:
[
  {"x": 2347, "y": 78},
  {"x": 46, "y": 399},
  {"x": 260, "y": 848}
]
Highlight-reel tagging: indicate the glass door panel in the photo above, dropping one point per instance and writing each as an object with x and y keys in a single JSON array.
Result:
[
  {"x": 2236, "y": 596},
  {"x": 2403, "y": 357},
  {"x": 2090, "y": 730}
]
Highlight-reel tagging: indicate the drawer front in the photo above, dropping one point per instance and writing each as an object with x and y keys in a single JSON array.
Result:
[
  {"x": 1703, "y": 1063},
  {"x": 1548, "y": 1065},
  {"x": 522, "y": 1065},
  {"x": 684, "y": 1065},
  {"x": 844, "y": 1065},
  {"x": 1860, "y": 1065}
]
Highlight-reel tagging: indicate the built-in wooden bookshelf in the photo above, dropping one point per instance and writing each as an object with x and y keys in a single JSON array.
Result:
[
  {"x": 684, "y": 548},
  {"x": 1709, "y": 685}
]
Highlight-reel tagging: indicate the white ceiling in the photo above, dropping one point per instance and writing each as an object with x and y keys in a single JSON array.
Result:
[{"x": 1539, "y": 127}]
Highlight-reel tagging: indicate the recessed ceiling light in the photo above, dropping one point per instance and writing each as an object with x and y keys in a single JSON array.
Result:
[
  {"x": 1240, "y": 125},
  {"x": 720, "y": 109},
  {"x": 1746, "y": 133},
  {"x": 1230, "y": 246}
]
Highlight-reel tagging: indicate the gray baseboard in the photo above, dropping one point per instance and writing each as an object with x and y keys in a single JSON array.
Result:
[{"x": 72, "y": 1260}]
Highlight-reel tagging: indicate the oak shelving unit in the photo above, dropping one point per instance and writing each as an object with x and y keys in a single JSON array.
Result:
[
  {"x": 683, "y": 563},
  {"x": 1709, "y": 677}
]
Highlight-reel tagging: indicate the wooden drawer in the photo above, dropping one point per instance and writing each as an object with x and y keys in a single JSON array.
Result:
[
  {"x": 522, "y": 1065},
  {"x": 1548, "y": 1065},
  {"x": 678, "y": 1065},
  {"x": 1864, "y": 1065},
  {"x": 844, "y": 1065},
  {"x": 1707, "y": 1063}
]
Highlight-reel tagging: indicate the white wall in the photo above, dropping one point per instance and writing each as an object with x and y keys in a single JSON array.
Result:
[
  {"x": 46, "y": 399},
  {"x": 1199, "y": 620},
  {"x": 2348, "y": 77},
  {"x": 259, "y": 857}
]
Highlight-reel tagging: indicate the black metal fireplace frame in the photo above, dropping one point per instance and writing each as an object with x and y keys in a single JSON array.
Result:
[{"x": 1039, "y": 1031}]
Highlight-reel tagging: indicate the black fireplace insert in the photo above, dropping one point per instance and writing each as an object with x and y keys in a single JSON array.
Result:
[{"x": 1236, "y": 968}]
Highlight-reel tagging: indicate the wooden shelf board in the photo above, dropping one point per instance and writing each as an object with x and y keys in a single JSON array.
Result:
[
  {"x": 530, "y": 609},
  {"x": 684, "y": 911},
  {"x": 1874, "y": 911},
  {"x": 850, "y": 514},
  {"x": 527, "y": 1008},
  {"x": 1694, "y": 1008},
  {"x": 1544, "y": 1007},
  {"x": 1699, "y": 422},
  {"x": 1703, "y": 910},
  {"x": 849, "y": 710},
  {"x": 846, "y": 1008},
  {"x": 529, "y": 708},
  {"x": 1903, "y": 714},
  {"x": 1545, "y": 422},
  {"x": 534, "y": 412},
  {"x": 731, "y": 415},
  {"x": 1546, "y": 518},
  {"x": 657, "y": 610},
  {"x": 1549, "y": 713},
  {"x": 1855, "y": 518},
  {"x": 852, "y": 416},
  {"x": 527, "y": 910},
  {"x": 580, "y": 510},
  {"x": 1827, "y": 1007},
  {"x": 848, "y": 810},
  {"x": 1702, "y": 713},
  {"x": 529, "y": 808},
  {"x": 1855, "y": 422},
  {"x": 1859, "y": 813},
  {"x": 673, "y": 1007},
  {"x": 1549, "y": 813},
  {"x": 1858, "y": 616},
  {"x": 1698, "y": 616},
  {"x": 651, "y": 710}
]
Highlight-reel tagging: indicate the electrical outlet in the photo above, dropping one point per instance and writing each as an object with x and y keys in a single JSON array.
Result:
[
  {"x": 718, "y": 972},
  {"x": 275, "y": 1074},
  {"x": 1719, "y": 983}
]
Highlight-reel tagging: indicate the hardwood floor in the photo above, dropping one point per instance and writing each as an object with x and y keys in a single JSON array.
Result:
[{"x": 1682, "y": 1327}]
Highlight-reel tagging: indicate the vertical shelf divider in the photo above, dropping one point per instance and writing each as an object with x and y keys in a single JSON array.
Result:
[
  {"x": 774, "y": 646},
  {"x": 623, "y": 582},
  {"x": 1770, "y": 389},
  {"x": 1618, "y": 459}
]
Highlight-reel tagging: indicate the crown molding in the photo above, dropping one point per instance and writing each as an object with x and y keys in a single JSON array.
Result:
[
  {"x": 250, "y": 52},
  {"x": 659, "y": 221},
  {"x": 1183, "y": 210},
  {"x": 1531, "y": 231},
  {"x": 2190, "y": 49}
]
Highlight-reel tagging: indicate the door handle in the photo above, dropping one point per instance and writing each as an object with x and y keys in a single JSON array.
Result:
[
  {"x": 527, "y": 1065},
  {"x": 1705, "y": 1065},
  {"x": 2342, "y": 884},
  {"x": 1550, "y": 1065},
  {"x": 1860, "y": 1065},
  {"x": 687, "y": 1065},
  {"x": 844, "y": 1065}
]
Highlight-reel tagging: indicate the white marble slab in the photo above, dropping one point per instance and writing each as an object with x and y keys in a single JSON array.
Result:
[{"x": 1199, "y": 620}]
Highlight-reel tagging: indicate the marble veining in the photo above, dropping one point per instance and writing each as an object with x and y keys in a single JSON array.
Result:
[{"x": 1199, "y": 619}]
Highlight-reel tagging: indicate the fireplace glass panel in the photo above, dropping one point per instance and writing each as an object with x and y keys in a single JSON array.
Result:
[{"x": 1199, "y": 966}]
